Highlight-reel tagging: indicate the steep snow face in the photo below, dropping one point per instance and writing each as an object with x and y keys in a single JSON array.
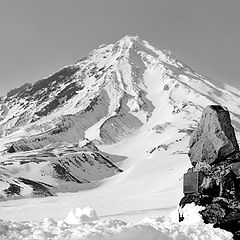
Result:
[{"x": 129, "y": 98}]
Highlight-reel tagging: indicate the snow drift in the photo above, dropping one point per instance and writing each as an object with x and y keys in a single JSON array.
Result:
[{"x": 85, "y": 225}]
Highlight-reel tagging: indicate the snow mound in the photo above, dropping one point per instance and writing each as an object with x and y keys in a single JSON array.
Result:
[
  {"x": 81, "y": 227},
  {"x": 79, "y": 215}
]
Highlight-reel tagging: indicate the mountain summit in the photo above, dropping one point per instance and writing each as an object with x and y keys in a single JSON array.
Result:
[{"x": 123, "y": 94}]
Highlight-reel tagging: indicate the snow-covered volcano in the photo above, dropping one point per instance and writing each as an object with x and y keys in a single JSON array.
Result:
[{"x": 136, "y": 105}]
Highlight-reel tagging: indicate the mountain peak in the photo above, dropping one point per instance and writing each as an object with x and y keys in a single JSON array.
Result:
[
  {"x": 128, "y": 41},
  {"x": 122, "y": 91},
  {"x": 129, "y": 38}
]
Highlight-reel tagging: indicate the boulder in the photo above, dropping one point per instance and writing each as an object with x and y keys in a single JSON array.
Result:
[
  {"x": 214, "y": 179},
  {"x": 214, "y": 139}
]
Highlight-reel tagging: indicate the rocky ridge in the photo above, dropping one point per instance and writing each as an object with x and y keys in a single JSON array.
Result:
[{"x": 55, "y": 169}]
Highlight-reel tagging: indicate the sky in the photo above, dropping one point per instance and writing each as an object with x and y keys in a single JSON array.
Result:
[{"x": 39, "y": 37}]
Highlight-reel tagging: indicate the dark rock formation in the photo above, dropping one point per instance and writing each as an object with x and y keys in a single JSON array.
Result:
[
  {"x": 38, "y": 189},
  {"x": 214, "y": 139},
  {"x": 214, "y": 179},
  {"x": 11, "y": 149}
]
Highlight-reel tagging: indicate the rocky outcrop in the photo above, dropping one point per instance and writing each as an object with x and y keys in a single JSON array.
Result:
[
  {"x": 14, "y": 187},
  {"x": 214, "y": 179},
  {"x": 214, "y": 139}
]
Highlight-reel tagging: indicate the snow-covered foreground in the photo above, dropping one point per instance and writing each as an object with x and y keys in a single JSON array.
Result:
[
  {"x": 148, "y": 186},
  {"x": 133, "y": 205},
  {"x": 84, "y": 224}
]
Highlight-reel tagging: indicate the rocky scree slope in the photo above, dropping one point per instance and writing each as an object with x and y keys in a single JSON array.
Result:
[{"x": 118, "y": 91}]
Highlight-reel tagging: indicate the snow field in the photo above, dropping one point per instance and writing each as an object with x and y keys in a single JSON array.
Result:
[{"x": 85, "y": 225}]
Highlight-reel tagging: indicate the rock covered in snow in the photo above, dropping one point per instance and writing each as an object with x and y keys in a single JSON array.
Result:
[
  {"x": 79, "y": 215},
  {"x": 87, "y": 144},
  {"x": 214, "y": 139}
]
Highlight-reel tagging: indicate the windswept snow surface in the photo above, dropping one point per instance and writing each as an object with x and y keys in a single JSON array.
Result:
[{"x": 85, "y": 225}]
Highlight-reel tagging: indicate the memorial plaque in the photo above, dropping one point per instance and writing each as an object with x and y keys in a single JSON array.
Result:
[{"x": 191, "y": 181}]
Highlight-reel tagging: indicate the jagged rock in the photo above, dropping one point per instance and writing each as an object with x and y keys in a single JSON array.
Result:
[
  {"x": 214, "y": 139},
  {"x": 229, "y": 188},
  {"x": 214, "y": 154},
  {"x": 210, "y": 187},
  {"x": 213, "y": 213},
  {"x": 198, "y": 199},
  {"x": 223, "y": 202}
]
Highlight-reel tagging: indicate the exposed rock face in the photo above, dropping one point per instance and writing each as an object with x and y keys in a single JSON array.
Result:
[
  {"x": 214, "y": 139},
  {"x": 214, "y": 180}
]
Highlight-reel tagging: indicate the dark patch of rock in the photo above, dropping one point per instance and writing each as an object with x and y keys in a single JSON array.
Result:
[
  {"x": 197, "y": 198},
  {"x": 38, "y": 188},
  {"x": 12, "y": 190},
  {"x": 64, "y": 174},
  {"x": 166, "y": 87},
  {"x": 11, "y": 149},
  {"x": 18, "y": 90},
  {"x": 213, "y": 213},
  {"x": 188, "y": 131}
]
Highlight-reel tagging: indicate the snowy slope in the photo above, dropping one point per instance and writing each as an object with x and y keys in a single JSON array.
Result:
[{"x": 130, "y": 100}]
